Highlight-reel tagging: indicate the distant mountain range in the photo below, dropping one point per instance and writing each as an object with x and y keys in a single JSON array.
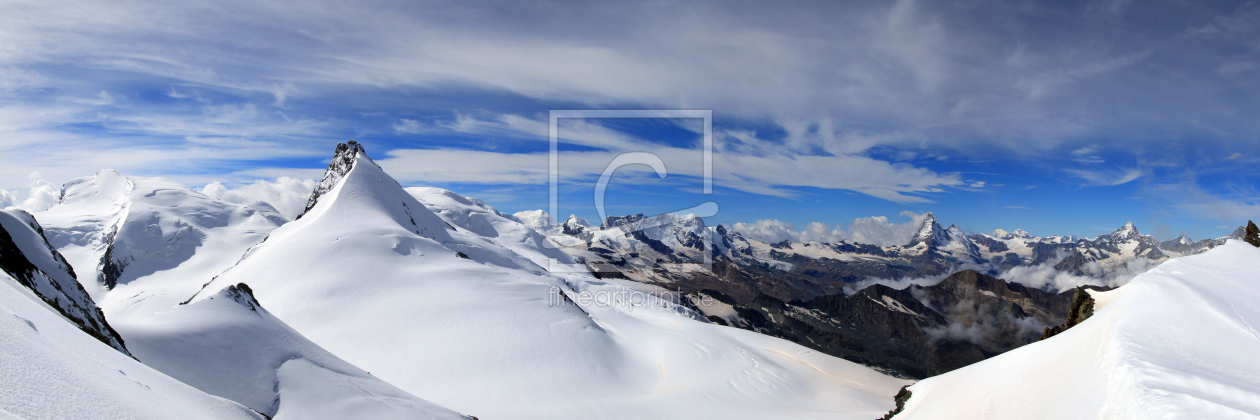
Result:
[
  {"x": 813, "y": 293},
  {"x": 141, "y": 298}
]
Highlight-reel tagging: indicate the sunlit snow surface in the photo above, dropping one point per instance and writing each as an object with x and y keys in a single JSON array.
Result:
[
  {"x": 169, "y": 239},
  {"x": 230, "y": 347},
  {"x": 373, "y": 276},
  {"x": 50, "y": 369},
  {"x": 1180, "y": 341}
]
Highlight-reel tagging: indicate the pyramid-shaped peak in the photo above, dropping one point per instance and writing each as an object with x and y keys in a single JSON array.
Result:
[
  {"x": 349, "y": 149},
  {"x": 344, "y": 157},
  {"x": 928, "y": 231}
]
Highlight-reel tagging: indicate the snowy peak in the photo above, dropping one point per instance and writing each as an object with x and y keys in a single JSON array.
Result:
[
  {"x": 1017, "y": 234},
  {"x": 574, "y": 225},
  {"x": 108, "y": 189},
  {"x": 344, "y": 157},
  {"x": 538, "y": 220},
  {"x": 357, "y": 192},
  {"x": 1128, "y": 231},
  {"x": 117, "y": 230},
  {"x": 931, "y": 229},
  {"x": 541, "y": 221},
  {"x": 26, "y": 256},
  {"x": 617, "y": 221}
]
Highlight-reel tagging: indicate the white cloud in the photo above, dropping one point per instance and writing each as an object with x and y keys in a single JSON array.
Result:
[
  {"x": 872, "y": 72},
  {"x": 878, "y": 230},
  {"x": 1087, "y": 154},
  {"x": 1107, "y": 178},
  {"x": 769, "y": 231},
  {"x": 408, "y": 126},
  {"x": 842, "y": 81},
  {"x": 1236, "y": 206},
  {"x": 741, "y": 161},
  {"x": 40, "y": 197},
  {"x": 7, "y": 199},
  {"x": 1042, "y": 276},
  {"x": 288, "y": 195}
]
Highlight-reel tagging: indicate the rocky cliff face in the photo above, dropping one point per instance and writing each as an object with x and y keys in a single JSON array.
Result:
[
  {"x": 26, "y": 256},
  {"x": 914, "y": 332},
  {"x": 342, "y": 162}
]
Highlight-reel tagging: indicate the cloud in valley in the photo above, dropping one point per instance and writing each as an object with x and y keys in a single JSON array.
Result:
[{"x": 287, "y": 195}]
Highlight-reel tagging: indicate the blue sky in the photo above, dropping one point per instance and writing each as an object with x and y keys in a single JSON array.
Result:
[{"x": 1055, "y": 117}]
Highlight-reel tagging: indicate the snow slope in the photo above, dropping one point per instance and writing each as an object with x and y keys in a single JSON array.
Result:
[
  {"x": 229, "y": 346},
  {"x": 1179, "y": 341},
  {"x": 490, "y": 227},
  {"x": 381, "y": 280},
  {"x": 142, "y": 245},
  {"x": 53, "y": 370},
  {"x": 26, "y": 256}
]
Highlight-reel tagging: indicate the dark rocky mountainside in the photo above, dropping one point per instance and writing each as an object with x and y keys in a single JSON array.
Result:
[
  {"x": 26, "y": 256},
  {"x": 915, "y": 332},
  {"x": 803, "y": 292}
]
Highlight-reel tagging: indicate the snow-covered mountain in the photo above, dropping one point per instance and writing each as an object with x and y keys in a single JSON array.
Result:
[
  {"x": 1176, "y": 342},
  {"x": 58, "y": 356},
  {"x": 1096, "y": 256},
  {"x": 424, "y": 295},
  {"x": 804, "y": 292},
  {"x": 149, "y": 245},
  {"x": 142, "y": 245},
  {"x": 454, "y": 305},
  {"x": 28, "y": 259},
  {"x": 540, "y": 221},
  {"x": 951, "y": 242}
]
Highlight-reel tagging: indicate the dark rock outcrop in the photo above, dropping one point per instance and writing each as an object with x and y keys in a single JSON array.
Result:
[
  {"x": 1253, "y": 234},
  {"x": 342, "y": 163},
  {"x": 1081, "y": 309},
  {"x": 900, "y": 399},
  {"x": 37, "y": 266}
]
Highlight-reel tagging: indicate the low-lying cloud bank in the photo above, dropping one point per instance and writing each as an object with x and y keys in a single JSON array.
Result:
[
  {"x": 1042, "y": 276},
  {"x": 287, "y": 195},
  {"x": 41, "y": 196}
]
